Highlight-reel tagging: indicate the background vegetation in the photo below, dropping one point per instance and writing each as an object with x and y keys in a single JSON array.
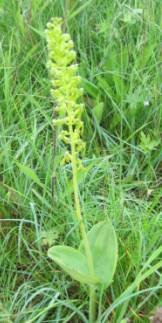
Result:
[{"x": 118, "y": 47}]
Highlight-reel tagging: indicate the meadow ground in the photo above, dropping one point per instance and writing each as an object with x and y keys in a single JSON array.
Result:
[{"x": 118, "y": 45}]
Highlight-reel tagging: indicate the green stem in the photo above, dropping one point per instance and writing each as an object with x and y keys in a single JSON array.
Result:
[
  {"x": 92, "y": 305},
  {"x": 92, "y": 300},
  {"x": 77, "y": 204}
]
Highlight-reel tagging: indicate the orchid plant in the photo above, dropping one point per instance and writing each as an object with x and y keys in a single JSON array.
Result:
[{"x": 94, "y": 261}]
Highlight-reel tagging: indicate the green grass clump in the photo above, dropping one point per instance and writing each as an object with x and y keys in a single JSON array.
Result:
[{"x": 118, "y": 48}]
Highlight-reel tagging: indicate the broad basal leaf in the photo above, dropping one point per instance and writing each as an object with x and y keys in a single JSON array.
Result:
[
  {"x": 73, "y": 262},
  {"x": 103, "y": 244}
]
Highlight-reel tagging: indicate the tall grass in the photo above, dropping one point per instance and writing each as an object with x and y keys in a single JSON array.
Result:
[{"x": 118, "y": 47}]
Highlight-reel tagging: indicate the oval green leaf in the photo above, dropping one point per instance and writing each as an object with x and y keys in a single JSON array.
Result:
[
  {"x": 73, "y": 262},
  {"x": 103, "y": 244}
]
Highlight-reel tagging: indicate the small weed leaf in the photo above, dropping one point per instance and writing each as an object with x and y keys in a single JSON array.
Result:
[
  {"x": 73, "y": 262},
  {"x": 98, "y": 111},
  {"x": 30, "y": 173},
  {"x": 103, "y": 244}
]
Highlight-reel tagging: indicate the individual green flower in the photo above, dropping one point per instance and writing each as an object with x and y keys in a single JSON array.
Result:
[{"x": 66, "y": 90}]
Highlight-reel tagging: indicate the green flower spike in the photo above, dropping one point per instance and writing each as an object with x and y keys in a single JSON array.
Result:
[{"x": 66, "y": 91}]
